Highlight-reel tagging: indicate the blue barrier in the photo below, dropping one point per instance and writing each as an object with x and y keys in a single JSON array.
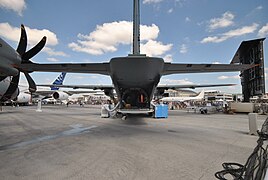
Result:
[{"x": 161, "y": 111}]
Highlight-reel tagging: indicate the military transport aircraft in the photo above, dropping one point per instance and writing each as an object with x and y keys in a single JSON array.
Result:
[{"x": 135, "y": 77}]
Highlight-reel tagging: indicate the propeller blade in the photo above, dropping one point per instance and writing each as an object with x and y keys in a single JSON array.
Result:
[
  {"x": 23, "y": 41},
  {"x": 32, "y": 52},
  {"x": 32, "y": 85}
]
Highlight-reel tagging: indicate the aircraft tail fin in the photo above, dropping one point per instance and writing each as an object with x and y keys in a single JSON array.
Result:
[
  {"x": 253, "y": 79},
  {"x": 201, "y": 94},
  {"x": 58, "y": 81}
]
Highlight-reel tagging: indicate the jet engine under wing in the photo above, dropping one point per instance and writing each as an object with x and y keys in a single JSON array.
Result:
[
  {"x": 98, "y": 68},
  {"x": 170, "y": 68},
  {"x": 192, "y": 86}
]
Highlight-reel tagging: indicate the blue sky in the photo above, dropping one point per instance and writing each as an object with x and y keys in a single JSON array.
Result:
[{"x": 180, "y": 31}]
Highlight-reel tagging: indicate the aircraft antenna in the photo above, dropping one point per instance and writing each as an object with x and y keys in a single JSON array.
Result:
[{"x": 136, "y": 27}]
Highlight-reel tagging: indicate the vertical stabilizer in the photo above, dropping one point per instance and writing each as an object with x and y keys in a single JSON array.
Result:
[
  {"x": 58, "y": 81},
  {"x": 136, "y": 27},
  {"x": 201, "y": 94},
  {"x": 253, "y": 79}
]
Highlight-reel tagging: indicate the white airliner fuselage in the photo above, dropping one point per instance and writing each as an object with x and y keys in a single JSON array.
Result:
[{"x": 182, "y": 99}]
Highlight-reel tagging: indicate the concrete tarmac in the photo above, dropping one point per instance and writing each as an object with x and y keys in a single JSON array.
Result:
[{"x": 75, "y": 143}]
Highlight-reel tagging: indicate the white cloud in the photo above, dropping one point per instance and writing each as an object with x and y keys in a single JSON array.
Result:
[
  {"x": 259, "y": 8},
  {"x": 225, "y": 21},
  {"x": 183, "y": 49},
  {"x": 223, "y": 77},
  {"x": 78, "y": 77},
  {"x": 33, "y": 35},
  {"x": 168, "y": 58},
  {"x": 107, "y": 37},
  {"x": 156, "y": 3},
  {"x": 263, "y": 31},
  {"x": 230, "y": 34},
  {"x": 229, "y": 77},
  {"x": 187, "y": 19},
  {"x": 151, "y": 1},
  {"x": 15, "y": 5},
  {"x": 213, "y": 39},
  {"x": 216, "y": 62},
  {"x": 234, "y": 88},
  {"x": 170, "y": 10},
  {"x": 148, "y": 32},
  {"x": 53, "y": 60},
  {"x": 52, "y": 52},
  {"x": 255, "y": 11},
  {"x": 242, "y": 31},
  {"x": 175, "y": 81},
  {"x": 94, "y": 77},
  {"x": 154, "y": 48},
  {"x": 180, "y": 2}
]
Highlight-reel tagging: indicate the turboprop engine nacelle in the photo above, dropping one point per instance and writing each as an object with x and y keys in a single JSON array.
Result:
[
  {"x": 9, "y": 59},
  {"x": 60, "y": 95}
]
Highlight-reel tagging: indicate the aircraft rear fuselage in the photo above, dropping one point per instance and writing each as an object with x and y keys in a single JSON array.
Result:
[{"x": 135, "y": 79}]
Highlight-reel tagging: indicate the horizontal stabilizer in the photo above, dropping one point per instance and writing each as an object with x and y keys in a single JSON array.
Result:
[
  {"x": 97, "y": 68},
  {"x": 202, "y": 68}
]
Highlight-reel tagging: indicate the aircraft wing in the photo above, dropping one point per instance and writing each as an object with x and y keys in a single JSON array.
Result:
[
  {"x": 161, "y": 86},
  {"x": 108, "y": 89},
  {"x": 192, "y": 86},
  {"x": 94, "y": 87},
  {"x": 98, "y": 68},
  {"x": 49, "y": 93},
  {"x": 104, "y": 68},
  {"x": 170, "y": 68},
  {"x": 43, "y": 92}
]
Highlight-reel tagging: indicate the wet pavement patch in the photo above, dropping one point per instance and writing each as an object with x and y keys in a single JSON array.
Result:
[
  {"x": 76, "y": 130},
  {"x": 173, "y": 131}
]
